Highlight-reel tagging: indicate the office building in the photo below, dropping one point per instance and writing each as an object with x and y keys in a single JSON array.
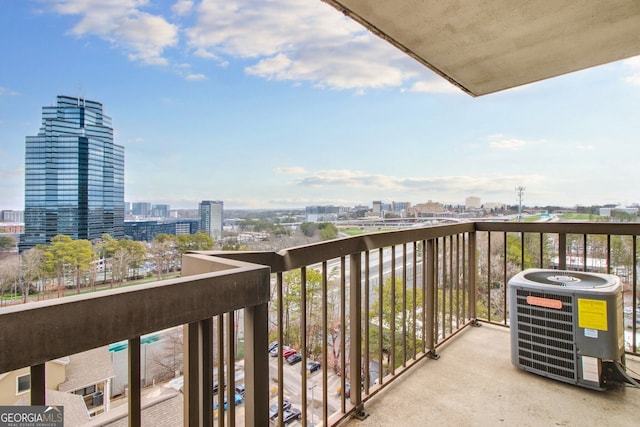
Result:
[
  {"x": 12, "y": 216},
  {"x": 160, "y": 211},
  {"x": 141, "y": 209},
  {"x": 147, "y": 230},
  {"x": 74, "y": 175},
  {"x": 210, "y": 218}
]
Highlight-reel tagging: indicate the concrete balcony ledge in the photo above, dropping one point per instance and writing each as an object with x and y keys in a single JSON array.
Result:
[{"x": 475, "y": 384}]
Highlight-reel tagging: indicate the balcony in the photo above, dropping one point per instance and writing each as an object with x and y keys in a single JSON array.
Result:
[{"x": 437, "y": 284}]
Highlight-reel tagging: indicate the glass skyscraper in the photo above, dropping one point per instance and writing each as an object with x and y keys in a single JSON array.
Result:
[
  {"x": 210, "y": 218},
  {"x": 74, "y": 175}
]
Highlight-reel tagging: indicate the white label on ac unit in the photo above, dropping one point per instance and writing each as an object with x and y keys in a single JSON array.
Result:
[
  {"x": 591, "y": 333},
  {"x": 590, "y": 369}
]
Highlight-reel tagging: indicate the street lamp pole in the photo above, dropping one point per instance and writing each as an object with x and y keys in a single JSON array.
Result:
[{"x": 312, "y": 400}]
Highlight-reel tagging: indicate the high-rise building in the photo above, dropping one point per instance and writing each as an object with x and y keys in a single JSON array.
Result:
[
  {"x": 141, "y": 209},
  {"x": 160, "y": 211},
  {"x": 210, "y": 218},
  {"x": 74, "y": 175}
]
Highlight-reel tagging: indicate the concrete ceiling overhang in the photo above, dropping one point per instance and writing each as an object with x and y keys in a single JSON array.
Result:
[{"x": 492, "y": 45}]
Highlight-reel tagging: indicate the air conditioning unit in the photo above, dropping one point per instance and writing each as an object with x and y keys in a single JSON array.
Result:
[{"x": 567, "y": 325}]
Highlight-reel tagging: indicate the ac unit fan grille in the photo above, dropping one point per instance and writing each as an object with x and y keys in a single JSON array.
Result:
[{"x": 546, "y": 335}]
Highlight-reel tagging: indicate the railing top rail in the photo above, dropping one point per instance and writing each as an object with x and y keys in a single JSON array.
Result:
[
  {"x": 629, "y": 229},
  {"x": 301, "y": 256},
  {"x": 38, "y": 332}
]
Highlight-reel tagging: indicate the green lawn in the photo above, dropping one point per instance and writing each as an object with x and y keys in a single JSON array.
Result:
[{"x": 581, "y": 217}]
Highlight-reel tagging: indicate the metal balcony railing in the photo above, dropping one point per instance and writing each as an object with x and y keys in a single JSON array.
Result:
[{"x": 366, "y": 308}]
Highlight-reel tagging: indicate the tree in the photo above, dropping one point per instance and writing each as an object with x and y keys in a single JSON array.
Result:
[
  {"x": 162, "y": 253},
  {"x": 58, "y": 259},
  {"x": 81, "y": 257},
  {"x": 328, "y": 231},
  {"x": 9, "y": 274},
  {"x": 7, "y": 244},
  {"x": 108, "y": 246},
  {"x": 401, "y": 307},
  {"x": 136, "y": 254},
  {"x": 65, "y": 255},
  {"x": 193, "y": 242},
  {"x": 308, "y": 228},
  {"x": 33, "y": 268}
]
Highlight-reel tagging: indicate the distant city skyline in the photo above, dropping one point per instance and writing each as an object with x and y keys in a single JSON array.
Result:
[{"x": 288, "y": 103}]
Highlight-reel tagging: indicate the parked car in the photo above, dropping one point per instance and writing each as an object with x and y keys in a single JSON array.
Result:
[
  {"x": 288, "y": 352},
  {"x": 294, "y": 358},
  {"x": 313, "y": 366},
  {"x": 347, "y": 389},
  {"x": 272, "y": 345},
  {"x": 274, "y": 351},
  {"x": 273, "y": 409},
  {"x": 216, "y": 387},
  {"x": 290, "y": 415},
  {"x": 240, "y": 390},
  {"x": 237, "y": 399}
]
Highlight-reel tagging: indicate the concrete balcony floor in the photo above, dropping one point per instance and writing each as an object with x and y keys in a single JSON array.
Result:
[{"x": 474, "y": 384}]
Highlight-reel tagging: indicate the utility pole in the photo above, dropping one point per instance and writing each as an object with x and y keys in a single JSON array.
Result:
[{"x": 520, "y": 191}]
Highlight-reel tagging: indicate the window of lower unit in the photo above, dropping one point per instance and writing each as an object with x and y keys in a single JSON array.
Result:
[{"x": 24, "y": 383}]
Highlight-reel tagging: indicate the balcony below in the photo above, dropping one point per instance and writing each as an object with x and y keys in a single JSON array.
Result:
[{"x": 475, "y": 384}]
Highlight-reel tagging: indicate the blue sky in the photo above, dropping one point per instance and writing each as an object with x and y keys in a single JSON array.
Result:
[{"x": 287, "y": 103}]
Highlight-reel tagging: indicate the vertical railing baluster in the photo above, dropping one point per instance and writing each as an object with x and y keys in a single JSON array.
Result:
[
  {"x": 355, "y": 331},
  {"x": 473, "y": 268},
  {"x": 609, "y": 253},
  {"x": 256, "y": 365},
  {"x": 584, "y": 252},
  {"x": 404, "y": 304},
  {"x": 489, "y": 276},
  {"x": 562, "y": 251},
  {"x": 365, "y": 314},
  {"x": 135, "y": 409},
  {"x": 303, "y": 340},
  {"x": 205, "y": 341},
  {"x": 436, "y": 292},
  {"x": 423, "y": 282},
  {"x": 343, "y": 331},
  {"x": 634, "y": 296},
  {"x": 392, "y": 319},
  {"x": 220, "y": 378},
  {"x": 451, "y": 282},
  {"x": 541, "y": 262},
  {"x": 280, "y": 297},
  {"x": 38, "y": 387},
  {"x": 414, "y": 283},
  {"x": 431, "y": 300},
  {"x": 444, "y": 280},
  {"x": 231, "y": 370},
  {"x": 380, "y": 315},
  {"x": 465, "y": 269},
  {"x": 325, "y": 345}
]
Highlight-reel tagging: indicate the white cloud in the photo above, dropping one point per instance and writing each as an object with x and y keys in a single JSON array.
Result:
[
  {"x": 502, "y": 142},
  {"x": 287, "y": 40},
  {"x": 293, "y": 170},
  {"x": 182, "y": 7},
  {"x": 7, "y": 92},
  {"x": 437, "y": 85},
  {"x": 423, "y": 185},
  {"x": 587, "y": 147},
  {"x": 123, "y": 24},
  {"x": 299, "y": 40},
  {"x": 195, "y": 77}
]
